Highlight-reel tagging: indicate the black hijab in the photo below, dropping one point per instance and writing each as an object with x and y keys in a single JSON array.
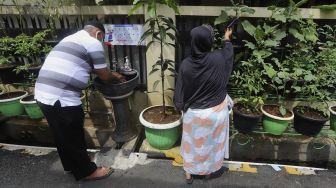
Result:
[
  {"x": 201, "y": 42},
  {"x": 203, "y": 76}
]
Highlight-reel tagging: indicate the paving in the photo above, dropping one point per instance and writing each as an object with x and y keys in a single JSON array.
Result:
[{"x": 26, "y": 166}]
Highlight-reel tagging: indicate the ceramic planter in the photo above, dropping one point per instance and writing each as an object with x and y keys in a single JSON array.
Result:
[
  {"x": 161, "y": 136},
  {"x": 275, "y": 125},
  {"x": 10, "y": 103},
  {"x": 332, "y": 118},
  {"x": 31, "y": 107}
]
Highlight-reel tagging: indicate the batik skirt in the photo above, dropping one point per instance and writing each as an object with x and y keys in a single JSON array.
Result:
[{"x": 205, "y": 138}]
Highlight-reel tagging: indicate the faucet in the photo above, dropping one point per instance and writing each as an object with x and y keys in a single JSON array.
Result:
[{"x": 127, "y": 65}]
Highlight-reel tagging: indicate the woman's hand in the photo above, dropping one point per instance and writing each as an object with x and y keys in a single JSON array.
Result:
[{"x": 228, "y": 33}]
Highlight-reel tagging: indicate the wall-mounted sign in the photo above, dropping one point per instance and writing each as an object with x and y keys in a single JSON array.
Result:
[{"x": 123, "y": 34}]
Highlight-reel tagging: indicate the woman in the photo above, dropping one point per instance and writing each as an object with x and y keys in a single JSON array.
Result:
[{"x": 201, "y": 91}]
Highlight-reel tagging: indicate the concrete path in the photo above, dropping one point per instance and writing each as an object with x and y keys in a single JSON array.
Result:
[{"x": 36, "y": 167}]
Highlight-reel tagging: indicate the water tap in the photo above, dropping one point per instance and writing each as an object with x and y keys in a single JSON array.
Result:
[
  {"x": 127, "y": 65},
  {"x": 114, "y": 64}
]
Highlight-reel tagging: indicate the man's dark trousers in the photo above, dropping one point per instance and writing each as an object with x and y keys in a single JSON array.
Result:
[{"x": 66, "y": 125}]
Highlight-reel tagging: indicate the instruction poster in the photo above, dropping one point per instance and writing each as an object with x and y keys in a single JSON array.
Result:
[{"x": 123, "y": 34}]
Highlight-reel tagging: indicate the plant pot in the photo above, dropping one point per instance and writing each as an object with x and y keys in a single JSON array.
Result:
[
  {"x": 243, "y": 122},
  {"x": 161, "y": 136},
  {"x": 31, "y": 107},
  {"x": 332, "y": 118},
  {"x": 274, "y": 124},
  {"x": 305, "y": 125},
  {"x": 10, "y": 103},
  {"x": 34, "y": 70},
  {"x": 8, "y": 75}
]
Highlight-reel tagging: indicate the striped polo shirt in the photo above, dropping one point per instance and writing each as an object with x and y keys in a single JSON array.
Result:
[{"x": 65, "y": 71}]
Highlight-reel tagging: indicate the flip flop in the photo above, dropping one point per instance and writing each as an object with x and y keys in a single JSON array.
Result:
[
  {"x": 111, "y": 170},
  {"x": 190, "y": 180}
]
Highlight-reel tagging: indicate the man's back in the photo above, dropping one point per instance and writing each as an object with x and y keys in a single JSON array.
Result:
[{"x": 65, "y": 71}]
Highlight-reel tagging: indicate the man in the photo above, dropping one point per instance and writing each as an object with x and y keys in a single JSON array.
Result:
[{"x": 63, "y": 75}]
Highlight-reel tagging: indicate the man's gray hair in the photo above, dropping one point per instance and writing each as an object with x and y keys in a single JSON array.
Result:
[{"x": 89, "y": 28}]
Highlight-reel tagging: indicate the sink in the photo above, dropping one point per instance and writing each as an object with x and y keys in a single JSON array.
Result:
[
  {"x": 118, "y": 93},
  {"x": 117, "y": 90}
]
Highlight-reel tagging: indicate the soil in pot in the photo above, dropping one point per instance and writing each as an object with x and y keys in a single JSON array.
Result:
[
  {"x": 28, "y": 98},
  {"x": 274, "y": 110},
  {"x": 10, "y": 95},
  {"x": 155, "y": 115},
  {"x": 245, "y": 118},
  {"x": 308, "y": 121}
]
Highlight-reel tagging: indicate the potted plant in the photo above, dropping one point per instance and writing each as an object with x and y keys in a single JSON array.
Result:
[
  {"x": 327, "y": 57},
  {"x": 266, "y": 74},
  {"x": 297, "y": 68},
  {"x": 311, "y": 117},
  {"x": 162, "y": 122},
  {"x": 31, "y": 49},
  {"x": 7, "y": 61}
]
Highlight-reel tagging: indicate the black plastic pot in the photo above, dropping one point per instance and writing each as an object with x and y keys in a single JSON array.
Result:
[
  {"x": 245, "y": 123},
  {"x": 9, "y": 76},
  {"x": 306, "y": 125}
]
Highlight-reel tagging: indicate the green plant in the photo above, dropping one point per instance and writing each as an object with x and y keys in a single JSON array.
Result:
[
  {"x": 160, "y": 30},
  {"x": 32, "y": 48},
  {"x": 328, "y": 33},
  {"x": 224, "y": 18},
  {"x": 251, "y": 74},
  {"x": 300, "y": 64},
  {"x": 6, "y": 50},
  {"x": 322, "y": 87},
  {"x": 4, "y": 61}
]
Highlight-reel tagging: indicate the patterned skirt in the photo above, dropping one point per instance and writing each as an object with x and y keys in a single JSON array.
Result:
[{"x": 205, "y": 138}]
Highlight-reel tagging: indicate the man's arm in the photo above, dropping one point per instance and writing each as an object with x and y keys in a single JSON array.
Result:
[{"x": 106, "y": 75}]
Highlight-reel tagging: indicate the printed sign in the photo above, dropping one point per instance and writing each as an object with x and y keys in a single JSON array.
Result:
[{"x": 123, "y": 34}]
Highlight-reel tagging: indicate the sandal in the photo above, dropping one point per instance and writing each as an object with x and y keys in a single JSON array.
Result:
[
  {"x": 93, "y": 178},
  {"x": 189, "y": 180}
]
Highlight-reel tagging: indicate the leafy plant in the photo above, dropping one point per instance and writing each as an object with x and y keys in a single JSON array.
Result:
[
  {"x": 224, "y": 18},
  {"x": 299, "y": 65},
  {"x": 328, "y": 35},
  {"x": 254, "y": 73},
  {"x": 160, "y": 30},
  {"x": 321, "y": 88},
  {"x": 6, "y": 50},
  {"x": 4, "y": 61},
  {"x": 32, "y": 48}
]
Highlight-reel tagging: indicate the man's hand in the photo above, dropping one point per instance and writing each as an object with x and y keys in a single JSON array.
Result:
[
  {"x": 107, "y": 75},
  {"x": 119, "y": 77},
  {"x": 228, "y": 33}
]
